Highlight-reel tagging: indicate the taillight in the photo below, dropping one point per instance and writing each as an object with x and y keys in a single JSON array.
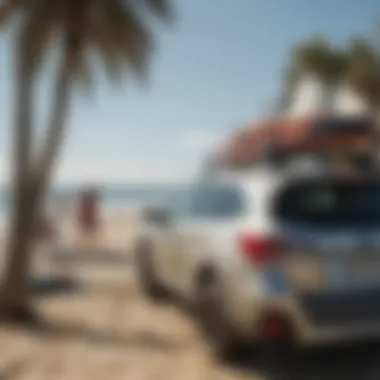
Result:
[
  {"x": 275, "y": 327},
  {"x": 259, "y": 249}
]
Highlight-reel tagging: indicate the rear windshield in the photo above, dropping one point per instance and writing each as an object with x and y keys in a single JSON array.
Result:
[{"x": 330, "y": 204}]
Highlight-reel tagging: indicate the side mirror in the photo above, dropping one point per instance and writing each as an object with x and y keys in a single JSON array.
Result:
[{"x": 158, "y": 216}]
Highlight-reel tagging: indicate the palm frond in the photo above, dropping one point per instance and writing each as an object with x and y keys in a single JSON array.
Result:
[
  {"x": 131, "y": 35},
  {"x": 103, "y": 44},
  {"x": 73, "y": 28},
  {"x": 318, "y": 57},
  {"x": 36, "y": 31},
  {"x": 116, "y": 31},
  {"x": 111, "y": 61},
  {"x": 8, "y": 9},
  {"x": 162, "y": 8},
  {"x": 84, "y": 71}
]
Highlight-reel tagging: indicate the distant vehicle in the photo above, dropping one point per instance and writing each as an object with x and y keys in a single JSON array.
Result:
[{"x": 269, "y": 257}]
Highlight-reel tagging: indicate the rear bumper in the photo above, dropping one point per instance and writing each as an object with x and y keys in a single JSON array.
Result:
[
  {"x": 339, "y": 335},
  {"x": 305, "y": 332}
]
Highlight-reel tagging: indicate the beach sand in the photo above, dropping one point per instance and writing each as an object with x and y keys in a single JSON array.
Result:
[{"x": 105, "y": 329}]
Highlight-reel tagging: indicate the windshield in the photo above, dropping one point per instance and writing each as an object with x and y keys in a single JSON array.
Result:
[{"x": 330, "y": 204}]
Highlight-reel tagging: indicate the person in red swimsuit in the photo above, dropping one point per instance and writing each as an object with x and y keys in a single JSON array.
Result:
[
  {"x": 88, "y": 220},
  {"x": 88, "y": 212}
]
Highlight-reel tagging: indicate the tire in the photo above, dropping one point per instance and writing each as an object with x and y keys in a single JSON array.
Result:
[
  {"x": 215, "y": 326},
  {"x": 149, "y": 283}
]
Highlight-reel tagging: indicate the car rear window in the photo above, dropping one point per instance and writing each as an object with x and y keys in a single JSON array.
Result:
[{"x": 332, "y": 203}]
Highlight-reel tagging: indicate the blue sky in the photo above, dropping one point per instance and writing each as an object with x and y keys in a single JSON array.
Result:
[{"x": 218, "y": 67}]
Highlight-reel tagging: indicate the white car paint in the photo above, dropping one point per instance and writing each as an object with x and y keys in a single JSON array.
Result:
[{"x": 186, "y": 245}]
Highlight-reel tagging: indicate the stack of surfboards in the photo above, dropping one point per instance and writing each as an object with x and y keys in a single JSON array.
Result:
[{"x": 335, "y": 137}]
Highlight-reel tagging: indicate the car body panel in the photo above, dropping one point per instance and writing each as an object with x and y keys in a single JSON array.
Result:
[{"x": 314, "y": 263}]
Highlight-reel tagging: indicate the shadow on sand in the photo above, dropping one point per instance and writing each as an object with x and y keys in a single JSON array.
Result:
[
  {"x": 15, "y": 368},
  {"x": 143, "y": 339},
  {"x": 53, "y": 286},
  {"x": 354, "y": 362},
  {"x": 111, "y": 257}
]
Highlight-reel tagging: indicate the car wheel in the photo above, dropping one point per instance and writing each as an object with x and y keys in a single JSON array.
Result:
[
  {"x": 214, "y": 323},
  {"x": 149, "y": 283}
]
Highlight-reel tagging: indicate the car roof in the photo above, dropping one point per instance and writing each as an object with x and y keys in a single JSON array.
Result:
[
  {"x": 302, "y": 168},
  {"x": 251, "y": 182}
]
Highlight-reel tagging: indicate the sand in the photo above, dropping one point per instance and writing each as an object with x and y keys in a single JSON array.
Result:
[{"x": 105, "y": 329}]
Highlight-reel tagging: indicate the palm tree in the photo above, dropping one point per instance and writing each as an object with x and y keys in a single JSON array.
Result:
[
  {"x": 291, "y": 76},
  {"x": 118, "y": 33},
  {"x": 318, "y": 58},
  {"x": 363, "y": 73}
]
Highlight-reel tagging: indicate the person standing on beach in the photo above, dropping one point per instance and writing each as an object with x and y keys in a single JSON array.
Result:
[{"x": 88, "y": 215}]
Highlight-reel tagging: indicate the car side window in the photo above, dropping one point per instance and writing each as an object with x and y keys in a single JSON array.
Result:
[
  {"x": 177, "y": 203},
  {"x": 216, "y": 201}
]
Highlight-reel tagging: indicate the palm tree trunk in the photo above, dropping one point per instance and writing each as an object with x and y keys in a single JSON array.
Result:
[
  {"x": 12, "y": 292},
  {"x": 14, "y": 301},
  {"x": 54, "y": 137}
]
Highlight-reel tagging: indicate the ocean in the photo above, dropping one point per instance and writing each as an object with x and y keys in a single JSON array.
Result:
[{"x": 112, "y": 197}]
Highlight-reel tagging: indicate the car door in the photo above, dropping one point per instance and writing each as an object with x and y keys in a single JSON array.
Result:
[
  {"x": 172, "y": 243},
  {"x": 181, "y": 240},
  {"x": 211, "y": 212}
]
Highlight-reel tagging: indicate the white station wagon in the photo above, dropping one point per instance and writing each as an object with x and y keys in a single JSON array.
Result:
[{"x": 270, "y": 256}]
